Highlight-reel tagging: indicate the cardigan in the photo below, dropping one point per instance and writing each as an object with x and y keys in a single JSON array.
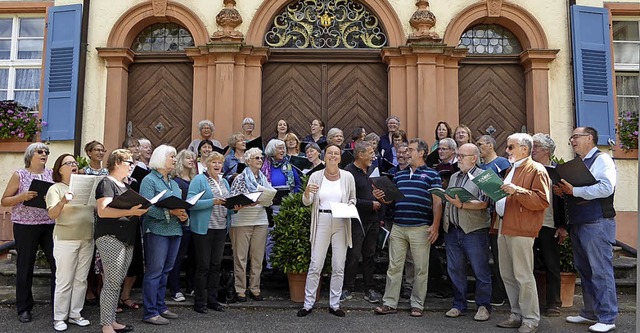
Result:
[
  {"x": 201, "y": 211},
  {"x": 348, "y": 186}
]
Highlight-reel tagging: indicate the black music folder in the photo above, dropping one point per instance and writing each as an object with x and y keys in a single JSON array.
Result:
[{"x": 42, "y": 187}]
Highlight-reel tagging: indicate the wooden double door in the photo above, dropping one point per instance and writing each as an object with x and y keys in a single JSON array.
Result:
[
  {"x": 492, "y": 100},
  {"x": 342, "y": 94},
  {"x": 159, "y": 102}
]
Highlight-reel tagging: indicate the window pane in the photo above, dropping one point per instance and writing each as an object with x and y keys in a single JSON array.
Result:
[
  {"x": 28, "y": 78},
  {"x": 31, "y": 27},
  {"x": 28, "y": 98},
  {"x": 30, "y": 49},
  {"x": 5, "y": 27},
  {"x": 5, "y": 49},
  {"x": 490, "y": 39},
  {"x": 626, "y": 53},
  {"x": 4, "y": 78},
  {"x": 628, "y": 104},
  {"x": 3, "y": 95},
  {"x": 626, "y": 30}
]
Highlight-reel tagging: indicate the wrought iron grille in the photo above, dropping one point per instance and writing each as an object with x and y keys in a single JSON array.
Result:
[
  {"x": 324, "y": 24},
  {"x": 490, "y": 39}
]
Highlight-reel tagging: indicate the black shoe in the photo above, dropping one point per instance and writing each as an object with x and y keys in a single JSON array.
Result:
[
  {"x": 200, "y": 309},
  {"x": 257, "y": 298},
  {"x": 215, "y": 307},
  {"x": 241, "y": 298},
  {"x": 24, "y": 316},
  {"x": 337, "y": 312},
  {"x": 303, "y": 312},
  {"x": 125, "y": 329}
]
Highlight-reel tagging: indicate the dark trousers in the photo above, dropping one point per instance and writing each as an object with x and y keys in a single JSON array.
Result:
[
  {"x": 173, "y": 283},
  {"x": 364, "y": 244},
  {"x": 498, "y": 292},
  {"x": 208, "y": 249},
  {"x": 27, "y": 238},
  {"x": 546, "y": 248}
]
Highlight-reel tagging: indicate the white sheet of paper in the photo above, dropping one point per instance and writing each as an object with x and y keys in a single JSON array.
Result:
[
  {"x": 195, "y": 198},
  {"x": 83, "y": 188},
  {"x": 375, "y": 173},
  {"x": 386, "y": 236},
  {"x": 266, "y": 196},
  {"x": 342, "y": 210},
  {"x": 157, "y": 197}
]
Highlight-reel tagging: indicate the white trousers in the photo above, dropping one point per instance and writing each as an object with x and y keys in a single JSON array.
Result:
[
  {"x": 73, "y": 260},
  {"x": 330, "y": 231}
]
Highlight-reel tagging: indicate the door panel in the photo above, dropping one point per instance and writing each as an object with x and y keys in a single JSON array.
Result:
[
  {"x": 492, "y": 96},
  {"x": 343, "y": 95},
  {"x": 159, "y": 103}
]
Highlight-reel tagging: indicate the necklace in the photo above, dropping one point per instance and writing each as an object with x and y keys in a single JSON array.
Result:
[{"x": 326, "y": 173}]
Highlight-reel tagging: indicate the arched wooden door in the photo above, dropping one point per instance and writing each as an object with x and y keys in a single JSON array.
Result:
[
  {"x": 491, "y": 84},
  {"x": 344, "y": 95}
]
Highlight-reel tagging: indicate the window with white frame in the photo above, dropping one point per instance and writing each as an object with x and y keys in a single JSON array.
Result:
[
  {"x": 21, "y": 47},
  {"x": 626, "y": 54}
]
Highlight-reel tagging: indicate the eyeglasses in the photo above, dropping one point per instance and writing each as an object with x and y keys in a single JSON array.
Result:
[
  {"x": 42, "y": 151},
  {"x": 72, "y": 163},
  {"x": 257, "y": 158},
  {"x": 480, "y": 144},
  {"x": 577, "y": 135},
  {"x": 461, "y": 156},
  {"x": 444, "y": 148},
  {"x": 511, "y": 147},
  {"x": 129, "y": 162},
  {"x": 99, "y": 150}
]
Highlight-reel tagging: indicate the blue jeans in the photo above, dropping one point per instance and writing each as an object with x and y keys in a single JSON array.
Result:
[
  {"x": 473, "y": 246},
  {"x": 592, "y": 257},
  {"x": 160, "y": 254}
]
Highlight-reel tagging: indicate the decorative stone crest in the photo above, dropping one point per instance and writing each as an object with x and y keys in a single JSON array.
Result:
[
  {"x": 228, "y": 19},
  {"x": 494, "y": 7},
  {"x": 423, "y": 21},
  {"x": 159, "y": 7}
]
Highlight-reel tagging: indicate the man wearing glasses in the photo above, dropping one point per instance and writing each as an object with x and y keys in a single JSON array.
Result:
[
  {"x": 593, "y": 232},
  {"x": 520, "y": 217},
  {"x": 466, "y": 226}
]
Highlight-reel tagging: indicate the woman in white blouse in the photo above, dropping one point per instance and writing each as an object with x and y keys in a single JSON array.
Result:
[{"x": 329, "y": 185}]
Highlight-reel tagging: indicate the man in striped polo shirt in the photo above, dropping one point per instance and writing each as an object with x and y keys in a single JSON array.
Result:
[{"x": 416, "y": 222}]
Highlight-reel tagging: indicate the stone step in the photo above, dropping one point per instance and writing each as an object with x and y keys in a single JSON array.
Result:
[{"x": 625, "y": 267}]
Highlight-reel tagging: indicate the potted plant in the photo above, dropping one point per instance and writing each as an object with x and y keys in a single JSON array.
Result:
[
  {"x": 17, "y": 123},
  {"x": 292, "y": 250},
  {"x": 567, "y": 274},
  {"x": 628, "y": 130}
]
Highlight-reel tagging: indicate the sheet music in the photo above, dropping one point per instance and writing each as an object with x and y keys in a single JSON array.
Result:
[
  {"x": 343, "y": 210},
  {"x": 83, "y": 188},
  {"x": 192, "y": 201},
  {"x": 375, "y": 173},
  {"x": 265, "y": 198}
]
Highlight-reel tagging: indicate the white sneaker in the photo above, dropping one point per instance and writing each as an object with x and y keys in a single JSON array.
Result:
[
  {"x": 59, "y": 325},
  {"x": 79, "y": 321},
  {"x": 580, "y": 320},
  {"x": 600, "y": 327},
  {"x": 178, "y": 297},
  {"x": 482, "y": 314}
]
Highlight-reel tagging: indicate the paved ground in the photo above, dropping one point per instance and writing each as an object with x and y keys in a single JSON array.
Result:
[{"x": 277, "y": 314}]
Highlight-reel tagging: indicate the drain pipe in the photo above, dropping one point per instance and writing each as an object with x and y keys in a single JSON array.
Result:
[{"x": 77, "y": 136}]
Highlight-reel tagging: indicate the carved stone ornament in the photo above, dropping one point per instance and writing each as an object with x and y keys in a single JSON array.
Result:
[
  {"x": 494, "y": 7},
  {"x": 423, "y": 21},
  {"x": 228, "y": 19},
  {"x": 159, "y": 7}
]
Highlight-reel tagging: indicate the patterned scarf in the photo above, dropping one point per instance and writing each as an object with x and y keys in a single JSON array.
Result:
[
  {"x": 283, "y": 165},
  {"x": 252, "y": 182}
]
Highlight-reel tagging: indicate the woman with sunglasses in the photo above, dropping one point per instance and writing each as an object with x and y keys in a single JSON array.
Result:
[
  {"x": 115, "y": 236},
  {"x": 248, "y": 230},
  {"x": 72, "y": 245},
  {"x": 32, "y": 227}
]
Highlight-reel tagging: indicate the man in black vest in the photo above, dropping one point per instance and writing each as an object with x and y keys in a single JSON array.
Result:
[{"x": 593, "y": 232}]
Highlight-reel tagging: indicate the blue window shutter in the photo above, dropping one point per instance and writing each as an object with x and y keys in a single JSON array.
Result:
[
  {"x": 61, "y": 72},
  {"x": 591, "y": 43}
]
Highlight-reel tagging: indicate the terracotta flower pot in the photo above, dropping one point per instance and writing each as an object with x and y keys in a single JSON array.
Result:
[
  {"x": 297, "y": 282},
  {"x": 567, "y": 288}
]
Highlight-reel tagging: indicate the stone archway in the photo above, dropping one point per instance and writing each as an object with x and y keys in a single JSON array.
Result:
[
  {"x": 535, "y": 57},
  {"x": 118, "y": 57}
]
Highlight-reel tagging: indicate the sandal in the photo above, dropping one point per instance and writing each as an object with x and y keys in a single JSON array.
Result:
[
  {"x": 129, "y": 304},
  {"x": 385, "y": 309},
  {"x": 415, "y": 312},
  {"x": 119, "y": 309}
]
